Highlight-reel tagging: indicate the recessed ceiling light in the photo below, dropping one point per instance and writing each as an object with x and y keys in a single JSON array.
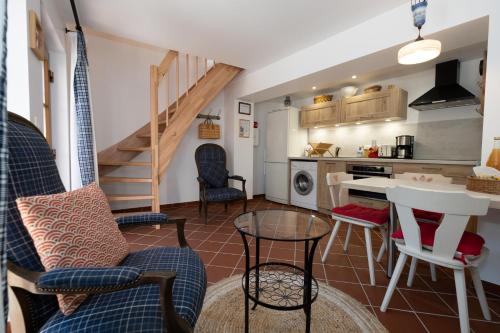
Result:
[
  {"x": 337, "y": 125},
  {"x": 315, "y": 126},
  {"x": 314, "y": 87},
  {"x": 358, "y": 123},
  {"x": 354, "y": 77},
  {"x": 388, "y": 119}
]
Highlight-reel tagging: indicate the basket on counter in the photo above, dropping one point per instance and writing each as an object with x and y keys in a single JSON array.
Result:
[
  {"x": 208, "y": 130},
  {"x": 483, "y": 185},
  {"x": 322, "y": 99}
]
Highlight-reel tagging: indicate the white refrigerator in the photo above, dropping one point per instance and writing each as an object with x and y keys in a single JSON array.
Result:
[{"x": 284, "y": 139}]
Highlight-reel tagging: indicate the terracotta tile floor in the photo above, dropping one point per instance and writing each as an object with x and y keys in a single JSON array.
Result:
[{"x": 426, "y": 307}]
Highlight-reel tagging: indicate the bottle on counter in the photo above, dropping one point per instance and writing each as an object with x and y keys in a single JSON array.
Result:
[{"x": 494, "y": 158}]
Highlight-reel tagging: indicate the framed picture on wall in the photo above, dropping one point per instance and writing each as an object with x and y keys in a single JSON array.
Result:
[
  {"x": 244, "y": 128},
  {"x": 245, "y": 108}
]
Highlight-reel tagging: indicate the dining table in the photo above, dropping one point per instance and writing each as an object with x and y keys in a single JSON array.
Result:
[{"x": 380, "y": 185}]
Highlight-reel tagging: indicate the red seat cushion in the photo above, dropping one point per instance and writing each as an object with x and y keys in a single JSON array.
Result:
[
  {"x": 365, "y": 214},
  {"x": 427, "y": 216},
  {"x": 470, "y": 244}
]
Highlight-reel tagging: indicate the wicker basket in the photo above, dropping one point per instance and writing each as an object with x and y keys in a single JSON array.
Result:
[
  {"x": 322, "y": 98},
  {"x": 208, "y": 130},
  {"x": 490, "y": 186}
]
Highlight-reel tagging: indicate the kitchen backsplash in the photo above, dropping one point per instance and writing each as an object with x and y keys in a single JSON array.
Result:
[{"x": 445, "y": 140}]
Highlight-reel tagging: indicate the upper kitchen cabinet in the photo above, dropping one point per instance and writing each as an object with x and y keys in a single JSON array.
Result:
[
  {"x": 376, "y": 106},
  {"x": 320, "y": 115}
]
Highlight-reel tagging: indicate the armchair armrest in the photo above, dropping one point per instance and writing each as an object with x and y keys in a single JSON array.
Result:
[
  {"x": 202, "y": 181},
  {"x": 84, "y": 281},
  {"x": 88, "y": 280},
  {"x": 155, "y": 218},
  {"x": 241, "y": 179},
  {"x": 142, "y": 218}
]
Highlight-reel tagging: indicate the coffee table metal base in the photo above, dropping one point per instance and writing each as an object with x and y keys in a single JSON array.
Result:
[{"x": 259, "y": 281}]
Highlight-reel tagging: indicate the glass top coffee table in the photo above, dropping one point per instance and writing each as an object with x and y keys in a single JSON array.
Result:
[{"x": 278, "y": 285}]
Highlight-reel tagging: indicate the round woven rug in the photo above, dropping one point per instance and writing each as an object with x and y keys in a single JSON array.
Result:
[{"x": 333, "y": 311}]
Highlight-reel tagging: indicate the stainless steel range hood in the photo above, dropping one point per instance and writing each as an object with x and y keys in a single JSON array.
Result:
[{"x": 447, "y": 93}]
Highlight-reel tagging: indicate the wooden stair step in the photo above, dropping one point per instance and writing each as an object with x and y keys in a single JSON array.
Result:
[
  {"x": 127, "y": 197},
  {"x": 108, "y": 179},
  {"x": 125, "y": 163},
  {"x": 125, "y": 148}
]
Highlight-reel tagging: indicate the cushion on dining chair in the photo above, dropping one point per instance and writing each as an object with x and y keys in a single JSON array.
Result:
[
  {"x": 470, "y": 244},
  {"x": 363, "y": 214},
  {"x": 424, "y": 215}
]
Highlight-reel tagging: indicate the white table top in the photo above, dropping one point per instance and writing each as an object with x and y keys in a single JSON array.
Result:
[{"x": 378, "y": 185}]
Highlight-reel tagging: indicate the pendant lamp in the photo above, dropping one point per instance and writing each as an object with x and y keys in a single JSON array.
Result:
[{"x": 421, "y": 50}]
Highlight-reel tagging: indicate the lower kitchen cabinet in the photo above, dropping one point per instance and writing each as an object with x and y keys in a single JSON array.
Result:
[
  {"x": 324, "y": 167},
  {"x": 367, "y": 202},
  {"x": 459, "y": 173}
]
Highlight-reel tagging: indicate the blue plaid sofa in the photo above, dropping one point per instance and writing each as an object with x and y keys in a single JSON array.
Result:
[
  {"x": 156, "y": 290},
  {"x": 213, "y": 178}
]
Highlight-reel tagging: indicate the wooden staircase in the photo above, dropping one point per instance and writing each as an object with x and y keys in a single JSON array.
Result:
[{"x": 162, "y": 135}]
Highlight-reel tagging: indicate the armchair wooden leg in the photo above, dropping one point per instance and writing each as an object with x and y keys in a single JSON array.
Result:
[
  {"x": 225, "y": 207},
  {"x": 205, "y": 211}
]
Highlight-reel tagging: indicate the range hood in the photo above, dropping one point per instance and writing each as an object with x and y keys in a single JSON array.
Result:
[{"x": 447, "y": 93}]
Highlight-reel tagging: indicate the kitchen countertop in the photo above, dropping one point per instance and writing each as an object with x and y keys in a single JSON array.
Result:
[{"x": 386, "y": 160}]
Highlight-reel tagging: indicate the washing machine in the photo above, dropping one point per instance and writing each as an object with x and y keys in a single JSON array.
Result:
[{"x": 303, "y": 187}]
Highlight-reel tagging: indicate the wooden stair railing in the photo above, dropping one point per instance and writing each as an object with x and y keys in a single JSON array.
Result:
[{"x": 161, "y": 136}]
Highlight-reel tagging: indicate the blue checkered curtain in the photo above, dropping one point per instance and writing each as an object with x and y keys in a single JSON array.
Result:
[
  {"x": 3, "y": 164},
  {"x": 85, "y": 131}
]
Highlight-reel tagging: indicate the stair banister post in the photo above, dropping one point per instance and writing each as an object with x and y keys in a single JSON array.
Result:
[
  {"x": 167, "y": 83},
  {"x": 177, "y": 80},
  {"x": 196, "y": 75},
  {"x": 187, "y": 74},
  {"x": 154, "y": 81}
]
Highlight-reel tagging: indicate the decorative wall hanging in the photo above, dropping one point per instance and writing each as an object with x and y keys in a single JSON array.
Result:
[
  {"x": 244, "y": 108},
  {"x": 244, "y": 128},
  {"x": 421, "y": 50}
]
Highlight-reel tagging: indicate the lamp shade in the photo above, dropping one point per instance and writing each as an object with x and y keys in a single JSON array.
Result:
[{"x": 419, "y": 51}]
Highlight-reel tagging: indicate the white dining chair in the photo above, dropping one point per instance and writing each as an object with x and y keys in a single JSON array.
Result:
[
  {"x": 422, "y": 215},
  {"x": 446, "y": 244},
  {"x": 368, "y": 218}
]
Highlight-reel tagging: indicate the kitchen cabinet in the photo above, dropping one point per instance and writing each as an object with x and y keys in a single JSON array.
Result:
[
  {"x": 459, "y": 173},
  {"x": 377, "y": 106},
  {"x": 323, "y": 192},
  {"x": 366, "y": 202},
  {"x": 320, "y": 115}
]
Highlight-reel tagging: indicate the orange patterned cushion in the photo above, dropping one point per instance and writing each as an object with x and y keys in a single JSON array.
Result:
[{"x": 73, "y": 229}]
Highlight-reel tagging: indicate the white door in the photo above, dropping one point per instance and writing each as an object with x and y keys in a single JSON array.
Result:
[
  {"x": 277, "y": 136},
  {"x": 277, "y": 182}
]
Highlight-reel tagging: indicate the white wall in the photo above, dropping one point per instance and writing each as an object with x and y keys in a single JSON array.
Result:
[
  {"x": 242, "y": 154},
  {"x": 119, "y": 77}
]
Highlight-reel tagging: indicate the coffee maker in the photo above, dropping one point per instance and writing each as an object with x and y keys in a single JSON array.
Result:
[{"x": 404, "y": 146}]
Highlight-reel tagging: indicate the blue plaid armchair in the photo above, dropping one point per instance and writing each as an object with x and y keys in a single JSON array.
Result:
[
  {"x": 213, "y": 178},
  {"x": 156, "y": 290}
]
